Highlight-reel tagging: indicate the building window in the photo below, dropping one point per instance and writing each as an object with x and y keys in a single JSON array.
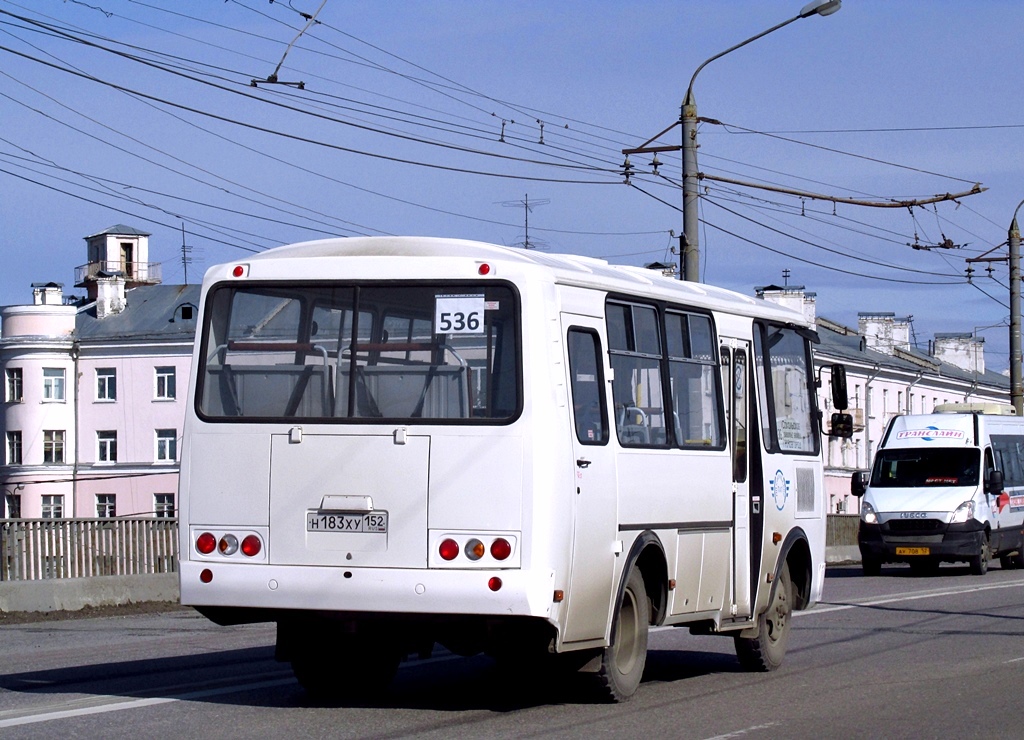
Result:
[
  {"x": 14, "y": 384},
  {"x": 163, "y": 505},
  {"x": 53, "y": 507},
  {"x": 165, "y": 382},
  {"x": 106, "y": 505},
  {"x": 53, "y": 384},
  {"x": 14, "y": 448},
  {"x": 106, "y": 384},
  {"x": 166, "y": 445},
  {"x": 13, "y": 503},
  {"x": 107, "y": 451},
  {"x": 53, "y": 446}
]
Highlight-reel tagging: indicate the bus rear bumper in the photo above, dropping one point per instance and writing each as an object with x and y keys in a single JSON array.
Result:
[{"x": 272, "y": 588}]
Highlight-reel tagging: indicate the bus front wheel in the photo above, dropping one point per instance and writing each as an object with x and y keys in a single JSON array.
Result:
[
  {"x": 622, "y": 662},
  {"x": 766, "y": 651}
]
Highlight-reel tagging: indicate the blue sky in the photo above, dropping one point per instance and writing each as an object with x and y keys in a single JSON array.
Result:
[{"x": 140, "y": 112}]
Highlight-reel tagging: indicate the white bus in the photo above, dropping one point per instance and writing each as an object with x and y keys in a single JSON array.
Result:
[{"x": 397, "y": 442}]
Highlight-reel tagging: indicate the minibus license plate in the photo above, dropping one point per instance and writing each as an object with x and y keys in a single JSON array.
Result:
[
  {"x": 913, "y": 551},
  {"x": 374, "y": 521}
]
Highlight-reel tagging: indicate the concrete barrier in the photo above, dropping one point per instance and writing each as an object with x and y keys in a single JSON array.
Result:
[{"x": 72, "y": 594}]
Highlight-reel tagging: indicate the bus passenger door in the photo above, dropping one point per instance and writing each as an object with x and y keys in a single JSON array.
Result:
[
  {"x": 735, "y": 382},
  {"x": 595, "y": 529}
]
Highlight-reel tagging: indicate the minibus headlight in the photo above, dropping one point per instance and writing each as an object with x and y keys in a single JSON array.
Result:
[
  {"x": 964, "y": 513},
  {"x": 867, "y": 513}
]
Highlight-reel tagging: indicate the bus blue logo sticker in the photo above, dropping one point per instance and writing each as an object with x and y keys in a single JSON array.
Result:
[{"x": 780, "y": 490}]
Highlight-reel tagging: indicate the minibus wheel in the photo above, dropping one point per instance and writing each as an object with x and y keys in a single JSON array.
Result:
[
  {"x": 622, "y": 662},
  {"x": 871, "y": 566},
  {"x": 979, "y": 562},
  {"x": 766, "y": 651}
]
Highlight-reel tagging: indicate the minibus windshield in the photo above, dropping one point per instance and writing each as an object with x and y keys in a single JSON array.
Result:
[{"x": 934, "y": 466}]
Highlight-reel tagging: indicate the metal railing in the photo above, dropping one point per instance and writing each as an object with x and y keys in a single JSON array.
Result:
[
  {"x": 35, "y": 549},
  {"x": 841, "y": 530},
  {"x": 133, "y": 272}
]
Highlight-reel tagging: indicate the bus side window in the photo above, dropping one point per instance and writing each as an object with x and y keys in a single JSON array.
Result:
[
  {"x": 634, "y": 340},
  {"x": 586, "y": 378}
]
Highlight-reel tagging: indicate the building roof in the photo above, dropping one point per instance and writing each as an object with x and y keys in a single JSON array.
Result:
[
  {"x": 845, "y": 344},
  {"x": 120, "y": 230},
  {"x": 152, "y": 312}
]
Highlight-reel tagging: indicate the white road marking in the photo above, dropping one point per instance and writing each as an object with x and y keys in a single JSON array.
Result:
[
  {"x": 118, "y": 703},
  {"x": 738, "y": 733},
  {"x": 907, "y": 597}
]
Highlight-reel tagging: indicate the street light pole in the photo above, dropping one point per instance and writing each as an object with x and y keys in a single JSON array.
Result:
[
  {"x": 691, "y": 241},
  {"x": 1016, "y": 384}
]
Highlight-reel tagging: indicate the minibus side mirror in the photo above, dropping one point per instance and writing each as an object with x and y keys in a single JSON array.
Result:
[
  {"x": 859, "y": 482},
  {"x": 995, "y": 482},
  {"x": 839, "y": 397}
]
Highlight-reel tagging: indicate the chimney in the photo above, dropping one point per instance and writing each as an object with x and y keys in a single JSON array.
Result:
[
  {"x": 883, "y": 332},
  {"x": 964, "y": 351},
  {"x": 793, "y": 297},
  {"x": 109, "y": 294},
  {"x": 47, "y": 294}
]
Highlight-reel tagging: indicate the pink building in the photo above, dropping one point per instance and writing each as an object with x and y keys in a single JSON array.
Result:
[{"x": 94, "y": 389}]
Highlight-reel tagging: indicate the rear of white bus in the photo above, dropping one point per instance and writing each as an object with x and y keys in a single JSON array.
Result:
[{"x": 353, "y": 468}]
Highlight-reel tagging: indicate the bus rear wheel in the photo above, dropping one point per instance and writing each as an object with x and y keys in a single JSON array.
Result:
[
  {"x": 352, "y": 667},
  {"x": 766, "y": 651},
  {"x": 622, "y": 662}
]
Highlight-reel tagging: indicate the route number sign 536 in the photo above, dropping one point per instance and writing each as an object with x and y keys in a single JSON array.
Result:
[{"x": 459, "y": 314}]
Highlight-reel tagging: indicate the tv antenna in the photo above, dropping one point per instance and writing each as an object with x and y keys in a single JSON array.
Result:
[
  {"x": 186, "y": 253},
  {"x": 527, "y": 205}
]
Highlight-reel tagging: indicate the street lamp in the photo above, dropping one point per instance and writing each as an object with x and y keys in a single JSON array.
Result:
[
  {"x": 691, "y": 244},
  {"x": 1016, "y": 385}
]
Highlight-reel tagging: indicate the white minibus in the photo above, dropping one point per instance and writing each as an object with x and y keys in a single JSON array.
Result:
[{"x": 947, "y": 486}]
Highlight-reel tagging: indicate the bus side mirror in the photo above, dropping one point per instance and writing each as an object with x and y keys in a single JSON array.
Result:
[
  {"x": 842, "y": 426},
  {"x": 995, "y": 482},
  {"x": 859, "y": 482},
  {"x": 839, "y": 396}
]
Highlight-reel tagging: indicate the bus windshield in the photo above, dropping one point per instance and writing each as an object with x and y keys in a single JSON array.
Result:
[
  {"x": 347, "y": 352},
  {"x": 935, "y": 466}
]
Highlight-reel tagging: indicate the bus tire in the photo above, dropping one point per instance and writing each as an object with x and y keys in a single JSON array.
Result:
[
  {"x": 766, "y": 651},
  {"x": 622, "y": 663},
  {"x": 979, "y": 562},
  {"x": 351, "y": 668}
]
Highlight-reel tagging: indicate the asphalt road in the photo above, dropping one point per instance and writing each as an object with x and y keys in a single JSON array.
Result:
[{"x": 893, "y": 656}]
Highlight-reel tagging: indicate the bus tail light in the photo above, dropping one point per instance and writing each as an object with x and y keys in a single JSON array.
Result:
[
  {"x": 228, "y": 544},
  {"x": 251, "y": 546},
  {"x": 206, "y": 543},
  {"x": 501, "y": 549},
  {"x": 449, "y": 549},
  {"x": 494, "y": 583}
]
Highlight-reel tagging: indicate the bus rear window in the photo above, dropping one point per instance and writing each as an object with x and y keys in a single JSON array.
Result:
[{"x": 396, "y": 352}]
